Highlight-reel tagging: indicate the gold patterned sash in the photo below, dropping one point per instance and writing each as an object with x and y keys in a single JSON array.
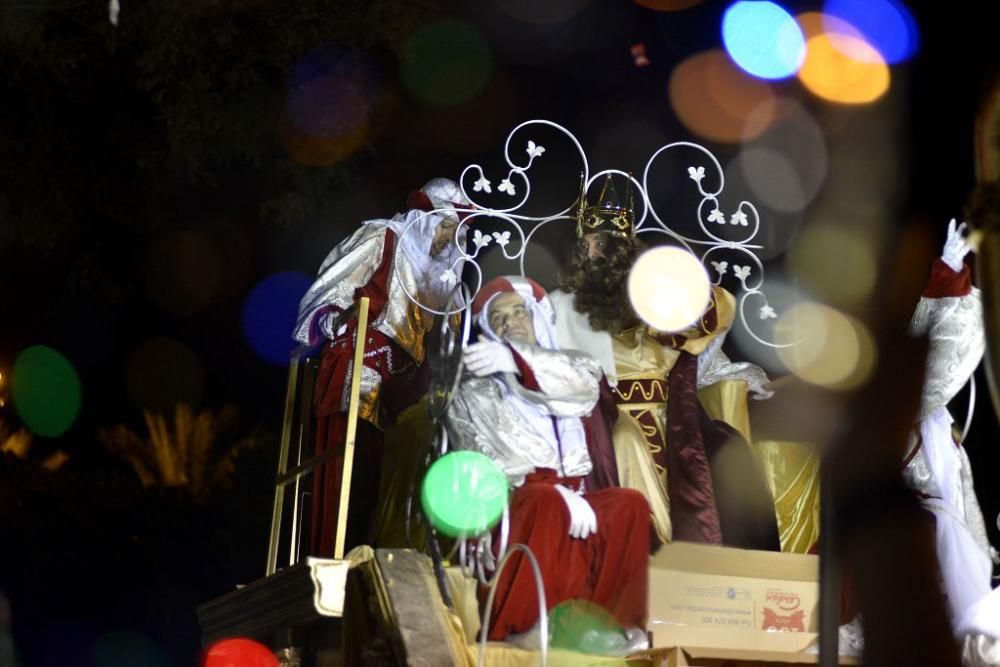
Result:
[{"x": 643, "y": 390}]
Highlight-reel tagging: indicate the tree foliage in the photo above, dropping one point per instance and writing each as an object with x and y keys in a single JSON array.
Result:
[{"x": 128, "y": 128}]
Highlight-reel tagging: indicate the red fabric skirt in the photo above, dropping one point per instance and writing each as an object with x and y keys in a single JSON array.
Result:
[
  {"x": 330, "y": 432},
  {"x": 609, "y": 568},
  {"x": 402, "y": 383}
]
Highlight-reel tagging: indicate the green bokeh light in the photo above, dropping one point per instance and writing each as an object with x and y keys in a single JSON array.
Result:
[
  {"x": 464, "y": 493},
  {"x": 446, "y": 62},
  {"x": 46, "y": 391}
]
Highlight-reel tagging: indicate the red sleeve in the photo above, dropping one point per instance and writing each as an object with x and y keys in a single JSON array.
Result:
[
  {"x": 377, "y": 287},
  {"x": 526, "y": 375},
  {"x": 945, "y": 282}
]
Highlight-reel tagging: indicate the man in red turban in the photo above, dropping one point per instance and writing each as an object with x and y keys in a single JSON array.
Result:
[
  {"x": 523, "y": 403},
  {"x": 394, "y": 262}
]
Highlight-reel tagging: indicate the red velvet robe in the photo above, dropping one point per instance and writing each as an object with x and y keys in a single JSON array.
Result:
[
  {"x": 609, "y": 568},
  {"x": 397, "y": 392}
]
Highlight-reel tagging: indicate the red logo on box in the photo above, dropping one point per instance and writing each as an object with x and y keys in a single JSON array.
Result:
[
  {"x": 785, "y": 601},
  {"x": 794, "y": 622}
]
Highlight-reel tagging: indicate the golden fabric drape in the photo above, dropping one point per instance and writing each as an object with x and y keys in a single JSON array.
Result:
[
  {"x": 792, "y": 472},
  {"x": 791, "y": 469}
]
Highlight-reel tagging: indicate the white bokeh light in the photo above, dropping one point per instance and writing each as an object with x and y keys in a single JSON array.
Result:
[{"x": 669, "y": 288}]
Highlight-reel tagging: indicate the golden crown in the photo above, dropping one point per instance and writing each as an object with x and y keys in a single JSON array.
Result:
[{"x": 609, "y": 214}]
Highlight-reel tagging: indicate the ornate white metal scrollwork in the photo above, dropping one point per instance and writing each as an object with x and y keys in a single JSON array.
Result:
[{"x": 516, "y": 185}]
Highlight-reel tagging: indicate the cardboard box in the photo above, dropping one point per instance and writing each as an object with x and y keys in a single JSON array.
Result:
[
  {"x": 722, "y": 598},
  {"x": 722, "y": 657}
]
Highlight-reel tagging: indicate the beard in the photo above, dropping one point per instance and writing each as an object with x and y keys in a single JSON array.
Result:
[{"x": 600, "y": 284}]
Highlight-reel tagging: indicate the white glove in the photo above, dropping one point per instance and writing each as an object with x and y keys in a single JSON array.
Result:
[
  {"x": 488, "y": 357},
  {"x": 956, "y": 247},
  {"x": 582, "y": 520}
]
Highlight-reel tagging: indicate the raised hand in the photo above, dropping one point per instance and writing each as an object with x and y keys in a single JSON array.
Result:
[{"x": 956, "y": 246}]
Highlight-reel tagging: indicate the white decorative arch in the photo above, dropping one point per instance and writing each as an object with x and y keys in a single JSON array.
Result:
[{"x": 516, "y": 184}]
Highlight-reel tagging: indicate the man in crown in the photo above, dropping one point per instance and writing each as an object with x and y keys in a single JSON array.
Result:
[
  {"x": 387, "y": 261},
  {"x": 522, "y": 403},
  {"x": 698, "y": 474}
]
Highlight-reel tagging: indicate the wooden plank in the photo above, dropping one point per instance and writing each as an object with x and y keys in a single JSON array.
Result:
[{"x": 409, "y": 592}]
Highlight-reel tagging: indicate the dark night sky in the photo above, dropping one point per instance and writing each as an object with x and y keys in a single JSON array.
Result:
[{"x": 82, "y": 286}]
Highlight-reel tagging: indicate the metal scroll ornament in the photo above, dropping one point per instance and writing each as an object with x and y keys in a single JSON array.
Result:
[
  {"x": 447, "y": 341},
  {"x": 517, "y": 187}
]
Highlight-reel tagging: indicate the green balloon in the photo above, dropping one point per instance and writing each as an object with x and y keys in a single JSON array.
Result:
[
  {"x": 46, "y": 391},
  {"x": 585, "y": 627},
  {"x": 464, "y": 493}
]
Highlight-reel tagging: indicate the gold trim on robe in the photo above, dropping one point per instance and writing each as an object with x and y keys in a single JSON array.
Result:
[{"x": 643, "y": 366}]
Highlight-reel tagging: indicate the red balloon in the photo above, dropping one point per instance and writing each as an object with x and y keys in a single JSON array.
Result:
[{"x": 239, "y": 653}]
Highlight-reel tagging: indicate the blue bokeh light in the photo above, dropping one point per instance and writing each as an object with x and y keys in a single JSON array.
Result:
[
  {"x": 763, "y": 39},
  {"x": 269, "y": 315},
  {"x": 331, "y": 92},
  {"x": 885, "y": 24}
]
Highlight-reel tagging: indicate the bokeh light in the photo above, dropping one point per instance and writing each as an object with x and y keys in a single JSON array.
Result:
[
  {"x": 840, "y": 66},
  {"x": 887, "y": 25},
  {"x": 314, "y": 151},
  {"x": 779, "y": 295},
  {"x": 814, "y": 24},
  {"x": 447, "y": 129},
  {"x": 584, "y": 627},
  {"x": 669, "y": 288},
  {"x": 779, "y": 228},
  {"x": 239, "y": 652},
  {"x": 667, "y": 5},
  {"x": 786, "y": 166},
  {"x": 819, "y": 257},
  {"x": 331, "y": 92},
  {"x": 773, "y": 178},
  {"x": 763, "y": 39},
  {"x": 46, "y": 391},
  {"x": 550, "y": 11},
  {"x": 128, "y": 648},
  {"x": 162, "y": 373},
  {"x": 464, "y": 493},
  {"x": 269, "y": 315},
  {"x": 830, "y": 349},
  {"x": 183, "y": 272},
  {"x": 717, "y": 101},
  {"x": 445, "y": 62}
]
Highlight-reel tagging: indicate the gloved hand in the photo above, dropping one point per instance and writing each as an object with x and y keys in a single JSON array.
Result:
[
  {"x": 488, "y": 357},
  {"x": 582, "y": 520},
  {"x": 956, "y": 247}
]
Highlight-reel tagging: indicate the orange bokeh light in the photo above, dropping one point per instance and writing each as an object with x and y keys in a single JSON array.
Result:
[
  {"x": 716, "y": 100},
  {"x": 840, "y": 66}
]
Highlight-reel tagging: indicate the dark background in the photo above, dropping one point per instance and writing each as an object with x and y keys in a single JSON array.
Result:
[{"x": 114, "y": 140}]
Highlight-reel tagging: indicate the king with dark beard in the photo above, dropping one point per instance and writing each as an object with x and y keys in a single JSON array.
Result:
[{"x": 698, "y": 473}]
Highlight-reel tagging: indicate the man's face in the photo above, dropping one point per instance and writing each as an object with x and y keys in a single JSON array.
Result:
[
  {"x": 443, "y": 234},
  {"x": 510, "y": 319},
  {"x": 594, "y": 242}
]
